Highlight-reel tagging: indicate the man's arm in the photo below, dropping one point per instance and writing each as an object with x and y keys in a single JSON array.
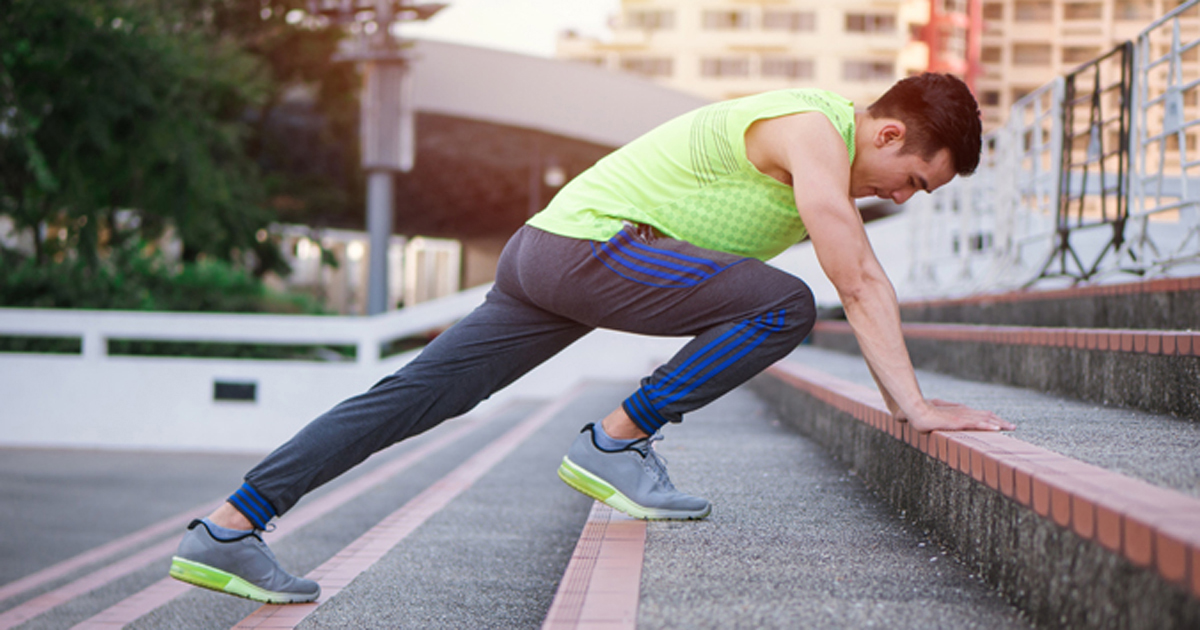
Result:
[{"x": 808, "y": 148}]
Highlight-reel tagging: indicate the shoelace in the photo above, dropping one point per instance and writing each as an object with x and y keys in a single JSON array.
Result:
[{"x": 657, "y": 463}]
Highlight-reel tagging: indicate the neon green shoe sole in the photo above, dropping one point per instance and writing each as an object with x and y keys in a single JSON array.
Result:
[
  {"x": 600, "y": 490},
  {"x": 204, "y": 576}
]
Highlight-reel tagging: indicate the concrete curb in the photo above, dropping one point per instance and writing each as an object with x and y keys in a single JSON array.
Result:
[
  {"x": 1072, "y": 544},
  {"x": 1166, "y": 303},
  {"x": 1144, "y": 304},
  {"x": 1152, "y": 370}
]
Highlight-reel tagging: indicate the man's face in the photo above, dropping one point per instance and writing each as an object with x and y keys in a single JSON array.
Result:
[{"x": 887, "y": 173}]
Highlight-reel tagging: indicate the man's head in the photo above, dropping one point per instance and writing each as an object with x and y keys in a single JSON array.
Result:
[
  {"x": 917, "y": 136},
  {"x": 938, "y": 112}
]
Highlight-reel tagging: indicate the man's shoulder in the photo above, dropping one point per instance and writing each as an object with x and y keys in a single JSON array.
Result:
[{"x": 815, "y": 97}]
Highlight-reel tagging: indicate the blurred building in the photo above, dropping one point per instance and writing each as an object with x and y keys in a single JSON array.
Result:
[
  {"x": 419, "y": 268},
  {"x": 497, "y": 134},
  {"x": 725, "y": 49},
  {"x": 1027, "y": 43}
]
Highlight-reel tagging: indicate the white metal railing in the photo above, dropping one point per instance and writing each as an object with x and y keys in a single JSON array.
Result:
[
  {"x": 1166, "y": 181},
  {"x": 367, "y": 334},
  {"x": 994, "y": 230},
  {"x": 96, "y": 399}
]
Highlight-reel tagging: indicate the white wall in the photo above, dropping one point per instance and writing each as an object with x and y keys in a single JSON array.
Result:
[{"x": 93, "y": 400}]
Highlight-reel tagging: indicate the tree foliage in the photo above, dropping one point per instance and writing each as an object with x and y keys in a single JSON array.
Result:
[{"x": 121, "y": 119}]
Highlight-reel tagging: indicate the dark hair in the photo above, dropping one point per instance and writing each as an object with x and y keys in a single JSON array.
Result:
[{"x": 938, "y": 111}]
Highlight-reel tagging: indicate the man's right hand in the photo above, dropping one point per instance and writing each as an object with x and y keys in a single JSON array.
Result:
[{"x": 940, "y": 415}]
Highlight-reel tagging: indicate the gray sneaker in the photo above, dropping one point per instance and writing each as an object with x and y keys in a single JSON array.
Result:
[
  {"x": 633, "y": 480},
  {"x": 243, "y": 566}
]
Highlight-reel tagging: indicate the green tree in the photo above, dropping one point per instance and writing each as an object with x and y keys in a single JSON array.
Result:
[
  {"x": 109, "y": 106},
  {"x": 296, "y": 52},
  {"x": 120, "y": 119}
]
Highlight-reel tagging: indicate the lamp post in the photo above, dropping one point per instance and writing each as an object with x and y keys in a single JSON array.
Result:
[{"x": 387, "y": 129}]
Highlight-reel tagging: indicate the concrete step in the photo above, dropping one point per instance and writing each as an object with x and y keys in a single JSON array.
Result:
[
  {"x": 1083, "y": 517},
  {"x": 468, "y": 526},
  {"x": 130, "y": 587},
  {"x": 1161, "y": 304},
  {"x": 795, "y": 540},
  {"x": 1150, "y": 370}
]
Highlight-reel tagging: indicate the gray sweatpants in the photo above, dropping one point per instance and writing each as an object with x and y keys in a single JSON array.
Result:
[{"x": 550, "y": 290}]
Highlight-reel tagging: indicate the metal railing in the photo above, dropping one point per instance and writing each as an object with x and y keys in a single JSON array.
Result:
[
  {"x": 1095, "y": 161},
  {"x": 1111, "y": 145},
  {"x": 1166, "y": 187}
]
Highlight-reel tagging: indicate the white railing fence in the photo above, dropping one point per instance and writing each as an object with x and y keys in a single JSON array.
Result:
[
  {"x": 996, "y": 230},
  {"x": 98, "y": 399}
]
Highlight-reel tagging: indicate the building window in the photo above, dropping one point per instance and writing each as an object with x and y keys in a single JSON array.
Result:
[
  {"x": 868, "y": 71},
  {"x": 1033, "y": 11},
  {"x": 1135, "y": 10},
  {"x": 1031, "y": 54},
  {"x": 795, "y": 21},
  {"x": 648, "y": 66},
  {"x": 991, "y": 54},
  {"x": 726, "y": 20},
  {"x": 870, "y": 23},
  {"x": 1083, "y": 11},
  {"x": 993, "y": 11},
  {"x": 954, "y": 42},
  {"x": 725, "y": 67},
  {"x": 787, "y": 68},
  {"x": 1079, "y": 54},
  {"x": 954, "y": 6},
  {"x": 650, "y": 20},
  {"x": 990, "y": 98}
]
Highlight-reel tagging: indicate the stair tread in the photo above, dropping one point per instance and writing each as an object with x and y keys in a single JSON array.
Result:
[{"x": 1159, "y": 449}]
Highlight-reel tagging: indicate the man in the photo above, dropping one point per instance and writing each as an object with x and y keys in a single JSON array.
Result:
[{"x": 666, "y": 236}]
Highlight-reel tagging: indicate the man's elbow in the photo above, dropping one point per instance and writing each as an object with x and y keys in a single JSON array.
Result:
[
  {"x": 850, "y": 292},
  {"x": 854, "y": 288}
]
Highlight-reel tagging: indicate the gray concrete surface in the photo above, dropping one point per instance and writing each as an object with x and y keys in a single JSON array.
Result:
[
  {"x": 493, "y": 557},
  {"x": 1143, "y": 311},
  {"x": 795, "y": 540},
  {"x": 1152, "y": 383},
  {"x": 312, "y": 545},
  {"x": 55, "y": 504},
  {"x": 1057, "y": 578},
  {"x": 1159, "y": 449},
  {"x": 80, "y": 493}
]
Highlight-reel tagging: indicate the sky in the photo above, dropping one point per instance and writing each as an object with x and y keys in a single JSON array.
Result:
[{"x": 524, "y": 26}]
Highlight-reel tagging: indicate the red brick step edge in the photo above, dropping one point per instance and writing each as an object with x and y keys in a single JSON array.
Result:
[{"x": 1149, "y": 525}]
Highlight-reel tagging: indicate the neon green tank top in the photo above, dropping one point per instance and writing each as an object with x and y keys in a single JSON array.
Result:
[{"x": 690, "y": 179}]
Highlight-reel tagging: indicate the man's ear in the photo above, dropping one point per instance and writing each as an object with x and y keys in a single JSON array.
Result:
[{"x": 890, "y": 132}]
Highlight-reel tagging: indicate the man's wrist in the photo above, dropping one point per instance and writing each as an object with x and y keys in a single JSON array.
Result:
[{"x": 916, "y": 407}]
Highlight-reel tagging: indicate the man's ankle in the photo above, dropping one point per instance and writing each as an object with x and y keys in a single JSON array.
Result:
[
  {"x": 618, "y": 426},
  {"x": 229, "y": 517},
  {"x": 607, "y": 442}
]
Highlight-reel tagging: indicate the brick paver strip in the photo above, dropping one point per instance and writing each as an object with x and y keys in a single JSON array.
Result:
[
  {"x": 1157, "y": 342},
  {"x": 68, "y": 566},
  {"x": 163, "y": 591},
  {"x": 337, "y": 572},
  {"x": 600, "y": 588},
  {"x": 1149, "y": 525}
]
